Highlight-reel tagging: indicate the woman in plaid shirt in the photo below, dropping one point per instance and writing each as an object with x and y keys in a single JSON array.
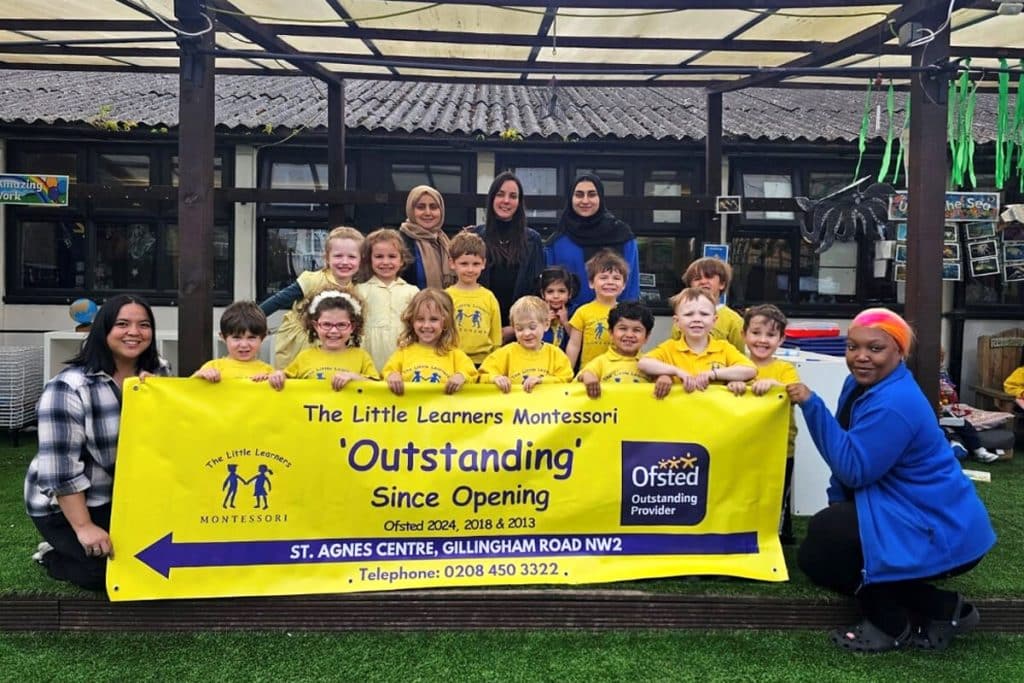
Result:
[{"x": 69, "y": 482}]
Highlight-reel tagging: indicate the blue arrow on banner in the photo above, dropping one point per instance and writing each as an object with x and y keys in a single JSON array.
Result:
[{"x": 166, "y": 554}]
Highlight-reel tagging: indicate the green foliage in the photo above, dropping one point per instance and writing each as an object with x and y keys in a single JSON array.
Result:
[
  {"x": 510, "y": 135},
  {"x": 104, "y": 120}
]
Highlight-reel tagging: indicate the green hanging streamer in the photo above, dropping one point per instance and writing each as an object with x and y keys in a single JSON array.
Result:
[
  {"x": 864, "y": 122},
  {"x": 904, "y": 129},
  {"x": 890, "y": 106},
  {"x": 972, "y": 101},
  {"x": 1002, "y": 120},
  {"x": 951, "y": 123},
  {"x": 961, "y": 134},
  {"x": 1017, "y": 135}
]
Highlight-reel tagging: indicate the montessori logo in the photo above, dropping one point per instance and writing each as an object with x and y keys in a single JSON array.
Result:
[{"x": 663, "y": 483}]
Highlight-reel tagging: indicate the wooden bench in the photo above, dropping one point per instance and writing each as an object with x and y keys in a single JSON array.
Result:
[{"x": 998, "y": 356}]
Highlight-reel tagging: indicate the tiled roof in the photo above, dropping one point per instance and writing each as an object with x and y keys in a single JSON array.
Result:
[{"x": 251, "y": 103}]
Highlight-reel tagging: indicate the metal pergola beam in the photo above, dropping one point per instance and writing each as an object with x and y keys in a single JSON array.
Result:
[
  {"x": 673, "y": 4},
  {"x": 865, "y": 40},
  {"x": 257, "y": 33}
]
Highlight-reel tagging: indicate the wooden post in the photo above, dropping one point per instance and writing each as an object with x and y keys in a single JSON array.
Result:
[
  {"x": 927, "y": 198},
  {"x": 195, "y": 192},
  {"x": 335, "y": 149},
  {"x": 713, "y": 165}
]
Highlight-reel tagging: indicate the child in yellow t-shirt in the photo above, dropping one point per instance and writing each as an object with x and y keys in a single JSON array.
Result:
[
  {"x": 528, "y": 360},
  {"x": 477, "y": 314},
  {"x": 713, "y": 275},
  {"x": 1014, "y": 385},
  {"x": 764, "y": 328},
  {"x": 589, "y": 337},
  {"x": 630, "y": 322},
  {"x": 342, "y": 250},
  {"x": 243, "y": 327},
  {"x": 696, "y": 360},
  {"x": 336, "y": 319},
  {"x": 428, "y": 347}
]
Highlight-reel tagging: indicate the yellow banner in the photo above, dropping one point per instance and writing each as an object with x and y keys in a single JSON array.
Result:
[{"x": 235, "y": 489}]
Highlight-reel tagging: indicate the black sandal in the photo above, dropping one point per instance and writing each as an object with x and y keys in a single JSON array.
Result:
[
  {"x": 866, "y": 637},
  {"x": 938, "y": 635}
]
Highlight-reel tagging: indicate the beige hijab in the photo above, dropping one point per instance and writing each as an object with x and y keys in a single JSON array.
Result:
[{"x": 431, "y": 245}]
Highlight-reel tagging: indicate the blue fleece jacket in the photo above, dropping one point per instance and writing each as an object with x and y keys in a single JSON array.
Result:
[
  {"x": 566, "y": 253},
  {"x": 919, "y": 515}
]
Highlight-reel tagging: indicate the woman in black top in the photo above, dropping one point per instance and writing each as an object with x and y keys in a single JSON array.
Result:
[{"x": 515, "y": 253}]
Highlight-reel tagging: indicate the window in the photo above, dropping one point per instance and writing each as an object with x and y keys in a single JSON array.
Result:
[
  {"x": 768, "y": 185},
  {"x": 761, "y": 270},
  {"x": 539, "y": 181},
  {"x": 663, "y": 260},
  {"x": 290, "y": 237},
  {"x": 288, "y": 252},
  {"x": 96, "y": 248},
  {"x": 771, "y": 262}
]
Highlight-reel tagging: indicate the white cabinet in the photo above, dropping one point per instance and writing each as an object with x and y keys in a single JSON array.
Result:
[{"x": 824, "y": 375}]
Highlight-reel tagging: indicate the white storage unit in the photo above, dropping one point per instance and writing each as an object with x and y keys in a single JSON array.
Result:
[
  {"x": 21, "y": 383},
  {"x": 824, "y": 376}
]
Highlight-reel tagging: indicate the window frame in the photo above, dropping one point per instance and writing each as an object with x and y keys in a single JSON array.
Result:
[{"x": 160, "y": 214}]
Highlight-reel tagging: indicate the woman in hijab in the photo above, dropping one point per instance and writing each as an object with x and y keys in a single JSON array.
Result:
[
  {"x": 425, "y": 238},
  {"x": 585, "y": 228},
  {"x": 901, "y": 512},
  {"x": 515, "y": 253}
]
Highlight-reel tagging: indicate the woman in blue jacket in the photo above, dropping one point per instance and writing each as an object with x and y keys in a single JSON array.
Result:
[
  {"x": 586, "y": 227},
  {"x": 901, "y": 512}
]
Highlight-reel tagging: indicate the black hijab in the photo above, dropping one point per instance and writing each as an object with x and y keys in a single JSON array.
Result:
[{"x": 593, "y": 233}]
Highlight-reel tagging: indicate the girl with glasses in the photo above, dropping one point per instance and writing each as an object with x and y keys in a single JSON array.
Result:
[{"x": 335, "y": 319}]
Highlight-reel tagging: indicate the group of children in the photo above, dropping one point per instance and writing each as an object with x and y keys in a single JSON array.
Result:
[{"x": 386, "y": 329}]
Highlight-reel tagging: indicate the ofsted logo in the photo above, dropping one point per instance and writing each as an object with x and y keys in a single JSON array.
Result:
[{"x": 663, "y": 483}]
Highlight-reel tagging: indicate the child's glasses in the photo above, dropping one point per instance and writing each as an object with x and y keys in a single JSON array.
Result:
[{"x": 341, "y": 327}]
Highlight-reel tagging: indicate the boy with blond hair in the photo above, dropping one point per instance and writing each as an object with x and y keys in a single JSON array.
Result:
[
  {"x": 529, "y": 360},
  {"x": 589, "y": 335},
  {"x": 477, "y": 314},
  {"x": 696, "y": 360},
  {"x": 243, "y": 327},
  {"x": 714, "y": 275}
]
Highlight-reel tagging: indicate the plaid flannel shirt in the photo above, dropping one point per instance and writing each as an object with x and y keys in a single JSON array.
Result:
[{"x": 79, "y": 415}]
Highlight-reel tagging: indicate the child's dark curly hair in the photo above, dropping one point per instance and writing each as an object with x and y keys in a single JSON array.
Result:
[{"x": 334, "y": 299}]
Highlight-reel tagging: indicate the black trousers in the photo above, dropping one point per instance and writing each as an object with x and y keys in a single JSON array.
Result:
[
  {"x": 831, "y": 556},
  {"x": 68, "y": 561}
]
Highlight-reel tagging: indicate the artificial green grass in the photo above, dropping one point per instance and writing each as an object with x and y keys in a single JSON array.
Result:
[
  {"x": 494, "y": 656},
  {"x": 997, "y": 576}
]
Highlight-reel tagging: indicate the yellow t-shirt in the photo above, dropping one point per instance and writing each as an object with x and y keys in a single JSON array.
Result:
[
  {"x": 478, "y": 320},
  {"x": 517, "y": 363},
  {"x": 229, "y": 368},
  {"x": 592, "y": 322},
  {"x": 612, "y": 366},
  {"x": 1014, "y": 384},
  {"x": 784, "y": 373},
  {"x": 728, "y": 326},
  {"x": 421, "y": 364},
  {"x": 718, "y": 354},
  {"x": 320, "y": 364}
]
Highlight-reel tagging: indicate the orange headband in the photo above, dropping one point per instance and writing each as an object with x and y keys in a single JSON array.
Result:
[{"x": 890, "y": 323}]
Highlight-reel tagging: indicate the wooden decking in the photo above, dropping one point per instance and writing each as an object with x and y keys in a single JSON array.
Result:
[{"x": 453, "y": 610}]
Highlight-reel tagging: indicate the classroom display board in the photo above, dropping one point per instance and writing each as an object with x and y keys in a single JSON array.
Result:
[{"x": 234, "y": 489}]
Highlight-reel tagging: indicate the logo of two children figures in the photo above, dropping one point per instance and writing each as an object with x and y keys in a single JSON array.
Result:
[{"x": 260, "y": 482}]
